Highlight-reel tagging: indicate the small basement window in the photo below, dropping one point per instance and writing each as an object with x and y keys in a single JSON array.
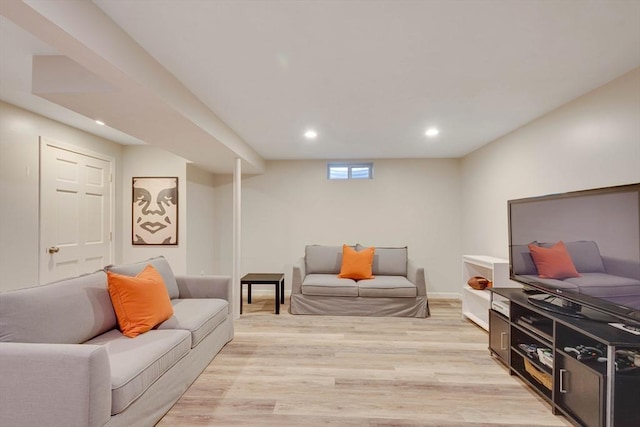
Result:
[{"x": 350, "y": 171}]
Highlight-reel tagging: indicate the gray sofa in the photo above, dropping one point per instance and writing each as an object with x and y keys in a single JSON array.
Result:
[
  {"x": 603, "y": 277},
  {"x": 63, "y": 362},
  {"x": 397, "y": 289}
]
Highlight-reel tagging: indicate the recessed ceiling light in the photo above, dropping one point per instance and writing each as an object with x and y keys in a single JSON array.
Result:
[
  {"x": 100, "y": 122},
  {"x": 311, "y": 134},
  {"x": 432, "y": 132}
]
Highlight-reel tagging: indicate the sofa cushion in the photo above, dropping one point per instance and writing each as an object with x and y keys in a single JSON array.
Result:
[
  {"x": 329, "y": 285},
  {"x": 585, "y": 256},
  {"x": 554, "y": 283},
  {"x": 159, "y": 263},
  {"x": 387, "y": 286},
  {"x": 356, "y": 264},
  {"x": 522, "y": 262},
  {"x": 136, "y": 363},
  {"x": 140, "y": 302},
  {"x": 389, "y": 261},
  {"x": 320, "y": 259},
  {"x": 605, "y": 285},
  {"x": 198, "y": 316},
  {"x": 70, "y": 311}
]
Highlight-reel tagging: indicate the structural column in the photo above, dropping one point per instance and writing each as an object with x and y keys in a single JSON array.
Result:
[{"x": 237, "y": 238}]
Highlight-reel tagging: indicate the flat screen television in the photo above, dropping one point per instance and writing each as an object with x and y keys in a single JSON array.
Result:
[{"x": 578, "y": 253}]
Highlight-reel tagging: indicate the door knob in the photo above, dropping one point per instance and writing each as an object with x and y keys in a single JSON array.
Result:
[{"x": 54, "y": 249}]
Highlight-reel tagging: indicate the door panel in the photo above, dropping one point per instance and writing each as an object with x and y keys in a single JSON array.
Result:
[
  {"x": 580, "y": 391},
  {"x": 499, "y": 336},
  {"x": 75, "y": 212}
]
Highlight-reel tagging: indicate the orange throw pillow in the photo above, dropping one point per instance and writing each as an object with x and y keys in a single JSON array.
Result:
[
  {"x": 140, "y": 302},
  {"x": 554, "y": 262},
  {"x": 356, "y": 265}
]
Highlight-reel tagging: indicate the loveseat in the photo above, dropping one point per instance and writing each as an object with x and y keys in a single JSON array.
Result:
[
  {"x": 64, "y": 361},
  {"x": 599, "y": 276},
  {"x": 398, "y": 287}
]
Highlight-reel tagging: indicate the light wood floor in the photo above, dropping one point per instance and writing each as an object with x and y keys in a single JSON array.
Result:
[{"x": 352, "y": 371}]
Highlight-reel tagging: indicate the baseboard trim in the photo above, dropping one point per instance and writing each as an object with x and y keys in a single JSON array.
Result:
[
  {"x": 444, "y": 295},
  {"x": 261, "y": 292}
]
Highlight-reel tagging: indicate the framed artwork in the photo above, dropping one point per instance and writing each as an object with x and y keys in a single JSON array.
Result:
[{"x": 154, "y": 211}]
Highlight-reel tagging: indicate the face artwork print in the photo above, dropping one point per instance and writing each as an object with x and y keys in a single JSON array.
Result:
[{"x": 155, "y": 211}]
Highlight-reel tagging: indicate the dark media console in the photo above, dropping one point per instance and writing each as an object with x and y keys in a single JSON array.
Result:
[
  {"x": 550, "y": 303},
  {"x": 585, "y": 369}
]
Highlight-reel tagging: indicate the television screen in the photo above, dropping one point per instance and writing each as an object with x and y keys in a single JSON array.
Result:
[{"x": 582, "y": 247}]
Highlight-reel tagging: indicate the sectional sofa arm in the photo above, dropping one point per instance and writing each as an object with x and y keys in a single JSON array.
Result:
[
  {"x": 205, "y": 287},
  {"x": 54, "y": 385},
  {"x": 416, "y": 276},
  {"x": 298, "y": 276}
]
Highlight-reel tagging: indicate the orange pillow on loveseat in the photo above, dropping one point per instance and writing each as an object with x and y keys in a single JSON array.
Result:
[{"x": 356, "y": 265}]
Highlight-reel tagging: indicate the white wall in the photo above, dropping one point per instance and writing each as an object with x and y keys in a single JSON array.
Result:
[
  {"x": 440, "y": 208},
  {"x": 200, "y": 221},
  {"x": 19, "y": 188},
  {"x": 593, "y": 141},
  {"x": 194, "y": 253},
  {"x": 141, "y": 161},
  {"x": 19, "y": 191},
  {"x": 409, "y": 202}
]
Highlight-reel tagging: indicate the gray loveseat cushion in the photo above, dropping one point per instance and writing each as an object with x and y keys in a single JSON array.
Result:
[
  {"x": 198, "y": 316},
  {"x": 320, "y": 259},
  {"x": 329, "y": 285},
  {"x": 388, "y": 261},
  {"x": 136, "y": 363},
  {"x": 70, "y": 311},
  {"x": 159, "y": 263},
  {"x": 387, "y": 287}
]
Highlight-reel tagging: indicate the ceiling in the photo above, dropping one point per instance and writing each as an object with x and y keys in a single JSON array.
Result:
[{"x": 213, "y": 80}]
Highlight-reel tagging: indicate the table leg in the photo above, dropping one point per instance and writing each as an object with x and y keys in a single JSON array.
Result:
[
  {"x": 249, "y": 293},
  {"x": 282, "y": 291},
  {"x": 277, "y": 298},
  {"x": 240, "y": 298}
]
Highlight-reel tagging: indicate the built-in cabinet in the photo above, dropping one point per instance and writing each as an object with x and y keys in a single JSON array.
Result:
[
  {"x": 475, "y": 303},
  {"x": 539, "y": 347}
]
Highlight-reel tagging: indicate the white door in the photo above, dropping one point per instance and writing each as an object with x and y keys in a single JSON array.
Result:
[{"x": 75, "y": 212}]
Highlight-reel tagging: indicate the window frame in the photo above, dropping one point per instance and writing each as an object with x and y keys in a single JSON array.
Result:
[{"x": 350, "y": 166}]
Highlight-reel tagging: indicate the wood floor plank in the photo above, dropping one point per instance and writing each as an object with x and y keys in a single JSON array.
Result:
[{"x": 284, "y": 370}]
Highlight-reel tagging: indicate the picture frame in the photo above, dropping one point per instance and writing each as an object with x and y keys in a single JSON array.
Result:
[{"x": 154, "y": 210}]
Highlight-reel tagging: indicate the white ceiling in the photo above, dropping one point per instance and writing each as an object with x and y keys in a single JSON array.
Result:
[
  {"x": 368, "y": 76},
  {"x": 17, "y": 48}
]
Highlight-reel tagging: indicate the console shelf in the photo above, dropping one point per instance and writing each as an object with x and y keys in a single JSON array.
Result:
[
  {"x": 588, "y": 391},
  {"x": 475, "y": 303}
]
